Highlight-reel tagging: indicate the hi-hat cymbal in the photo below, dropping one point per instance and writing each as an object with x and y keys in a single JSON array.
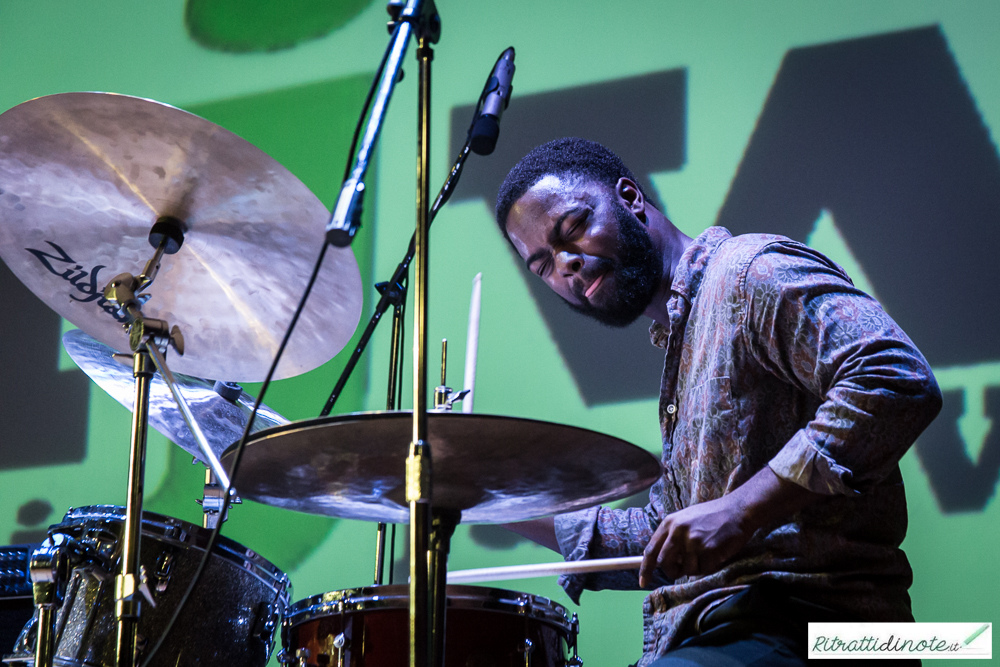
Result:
[
  {"x": 222, "y": 420},
  {"x": 493, "y": 469},
  {"x": 83, "y": 177}
]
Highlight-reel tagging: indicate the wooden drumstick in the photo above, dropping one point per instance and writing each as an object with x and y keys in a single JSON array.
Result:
[
  {"x": 543, "y": 570},
  {"x": 472, "y": 344}
]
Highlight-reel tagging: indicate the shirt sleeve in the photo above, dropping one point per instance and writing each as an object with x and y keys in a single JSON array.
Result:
[
  {"x": 601, "y": 532},
  {"x": 807, "y": 324}
]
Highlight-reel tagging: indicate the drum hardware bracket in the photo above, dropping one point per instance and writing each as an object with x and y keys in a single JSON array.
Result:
[
  {"x": 268, "y": 618},
  {"x": 49, "y": 567},
  {"x": 340, "y": 644},
  {"x": 212, "y": 500},
  {"x": 444, "y": 396},
  {"x": 528, "y": 647},
  {"x": 574, "y": 629}
]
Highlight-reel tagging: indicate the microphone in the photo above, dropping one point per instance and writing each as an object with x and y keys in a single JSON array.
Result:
[{"x": 486, "y": 128}]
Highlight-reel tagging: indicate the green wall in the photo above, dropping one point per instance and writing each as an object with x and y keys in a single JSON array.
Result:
[{"x": 299, "y": 105}]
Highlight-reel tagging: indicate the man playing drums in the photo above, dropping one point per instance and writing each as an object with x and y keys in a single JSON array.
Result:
[{"x": 788, "y": 397}]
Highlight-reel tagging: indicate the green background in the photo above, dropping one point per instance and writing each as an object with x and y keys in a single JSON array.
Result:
[{"x": 299, "y": 104}]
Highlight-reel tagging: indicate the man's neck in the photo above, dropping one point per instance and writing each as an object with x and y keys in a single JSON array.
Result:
[{"x": 671, "y": 243}]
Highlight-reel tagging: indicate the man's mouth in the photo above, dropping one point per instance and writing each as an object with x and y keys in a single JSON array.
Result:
[{"x": 594, "y": 285}]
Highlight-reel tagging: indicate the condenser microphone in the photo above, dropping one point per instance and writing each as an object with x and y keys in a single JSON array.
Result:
[{"x": 486, "y": 128}]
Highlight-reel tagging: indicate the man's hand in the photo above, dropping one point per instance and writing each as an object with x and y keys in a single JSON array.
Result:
[{"x": 698, "y": 540}]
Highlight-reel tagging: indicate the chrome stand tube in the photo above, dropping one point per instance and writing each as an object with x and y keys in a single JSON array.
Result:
[
  {"x": 418, "y": 464},
  {"x": 127, "y": 582}
]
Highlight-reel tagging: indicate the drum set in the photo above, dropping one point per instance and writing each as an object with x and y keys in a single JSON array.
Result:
[{"x": 94, "y": 186}]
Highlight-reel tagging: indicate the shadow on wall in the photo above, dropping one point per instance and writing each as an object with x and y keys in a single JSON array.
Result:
[
  {"x": 265, "y": 25},
  {"x": 883, "y": 133}
]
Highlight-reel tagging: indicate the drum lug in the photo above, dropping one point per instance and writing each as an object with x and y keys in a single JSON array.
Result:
[
  {"x": 284, "y": 657},
  {"x": 164, "y": 565},
  {"x": 527, "y": 648},
  {"x": 341, "y": 643},
  {"x": 49, "y": 567},
  {"x": 268, "y": 617},
  {"x": 574, "y": 630}
]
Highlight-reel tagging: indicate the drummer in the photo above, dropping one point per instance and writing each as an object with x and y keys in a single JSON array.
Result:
[{"x": 788, "y": 397}]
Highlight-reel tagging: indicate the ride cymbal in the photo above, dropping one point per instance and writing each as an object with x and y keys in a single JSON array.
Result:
[{"x": 493, "y": 469}]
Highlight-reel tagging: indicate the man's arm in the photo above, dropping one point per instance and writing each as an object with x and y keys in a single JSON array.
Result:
[{"x": 808, "y": 325}]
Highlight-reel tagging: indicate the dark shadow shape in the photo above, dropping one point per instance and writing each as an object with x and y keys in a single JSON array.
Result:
[
  {"x": 959, "y": 483},
  {"x": 883, "y": 132},
  {"x": 265, "y": 25},
  {"x": 36, "y": 535},
  {"x": 43, "y": 411},
  {"x": 494, "y": 537},
  {"x": 640, "y": 499},
  {"x": 642, "y": 119},
  {"x": 34, "y": 512}
]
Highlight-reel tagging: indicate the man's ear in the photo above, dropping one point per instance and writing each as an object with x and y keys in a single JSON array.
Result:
[{"x": 631, "y": 198}]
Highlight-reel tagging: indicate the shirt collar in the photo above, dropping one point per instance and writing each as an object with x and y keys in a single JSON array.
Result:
[{"x": 688, "y": 273}]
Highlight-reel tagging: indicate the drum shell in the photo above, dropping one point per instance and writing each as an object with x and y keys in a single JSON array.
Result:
[
  {"x": 229, "y": 619},
  {"x": 485, "y": 627}
]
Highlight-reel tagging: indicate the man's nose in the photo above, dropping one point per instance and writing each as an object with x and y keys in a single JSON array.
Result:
[{"x": 569, "y": 263}]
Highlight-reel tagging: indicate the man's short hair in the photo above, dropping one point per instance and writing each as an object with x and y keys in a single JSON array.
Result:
[{"x": 569, "y": 155}]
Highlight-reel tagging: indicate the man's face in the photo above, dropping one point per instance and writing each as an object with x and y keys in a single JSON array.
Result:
[{"x": 588, "y": 247}]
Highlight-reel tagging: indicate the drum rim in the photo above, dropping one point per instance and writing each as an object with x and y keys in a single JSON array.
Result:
[
  {"x": 184, "y": 534},
  {"x": 396, "y": 596}
]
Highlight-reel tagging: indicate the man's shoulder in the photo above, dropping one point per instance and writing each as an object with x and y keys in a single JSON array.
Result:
[
  {"x": 768, "y": 253},
  {"x": 751, "y": 244},
  {"x": 733, "y": 255}
]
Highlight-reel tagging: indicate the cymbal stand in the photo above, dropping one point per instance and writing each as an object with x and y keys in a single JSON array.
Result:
[
  {"x": 418, "y": 17},
  {"x": 419, "y": 462},
  {"x": 146, "y": 337}
]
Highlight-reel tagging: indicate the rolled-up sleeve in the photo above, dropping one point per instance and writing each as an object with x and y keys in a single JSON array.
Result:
[
  {"x": 807, "y": 324},
  {"x": 601, "y": 532}
]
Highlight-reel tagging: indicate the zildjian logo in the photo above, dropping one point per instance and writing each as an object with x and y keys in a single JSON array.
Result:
[{"x": 83, "y": 280}]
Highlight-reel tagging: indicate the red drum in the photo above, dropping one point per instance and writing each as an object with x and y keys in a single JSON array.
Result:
[{"x": 485, "y": 627}]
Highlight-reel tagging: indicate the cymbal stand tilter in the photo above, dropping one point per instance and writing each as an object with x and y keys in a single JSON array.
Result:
[
  {"x": 211, "y": 500},
  {"x": 148, "y": 340}
]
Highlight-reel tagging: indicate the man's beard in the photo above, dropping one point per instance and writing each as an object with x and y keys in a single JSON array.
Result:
[{"x": 637, "y": 272}]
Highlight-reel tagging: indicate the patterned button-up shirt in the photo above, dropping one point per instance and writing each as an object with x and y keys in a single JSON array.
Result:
[{"x": 773, "y": 357}]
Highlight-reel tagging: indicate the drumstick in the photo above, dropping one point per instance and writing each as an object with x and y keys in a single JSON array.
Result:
[
  {"x": 543, "y": 570},
  {"x": 472, "y": 344}
]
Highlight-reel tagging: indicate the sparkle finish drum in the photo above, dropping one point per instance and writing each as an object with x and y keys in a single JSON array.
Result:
[{"x": 230, "y": 618}]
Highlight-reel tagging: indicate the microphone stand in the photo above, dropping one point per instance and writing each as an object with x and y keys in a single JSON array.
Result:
[{"x": 393, "y": 291}]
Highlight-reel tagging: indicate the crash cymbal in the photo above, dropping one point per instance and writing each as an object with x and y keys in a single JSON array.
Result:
[
  {"x": 494, "y": 469},
  {"x": 221, "y": 419},
  {"x": 84, "y": 176}
]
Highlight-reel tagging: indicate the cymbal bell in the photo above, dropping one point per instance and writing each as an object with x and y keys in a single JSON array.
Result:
[
  {"x": 221, "y": 419},
  {"x": 493, "y": 469},
  {"x": 83, "y": 178}
]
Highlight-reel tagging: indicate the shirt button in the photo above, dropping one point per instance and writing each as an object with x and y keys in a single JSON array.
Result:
[{"x": 671, "y": 409}]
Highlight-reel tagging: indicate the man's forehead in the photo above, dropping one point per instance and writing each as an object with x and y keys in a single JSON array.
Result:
[{"x": 552, "y": 193}]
